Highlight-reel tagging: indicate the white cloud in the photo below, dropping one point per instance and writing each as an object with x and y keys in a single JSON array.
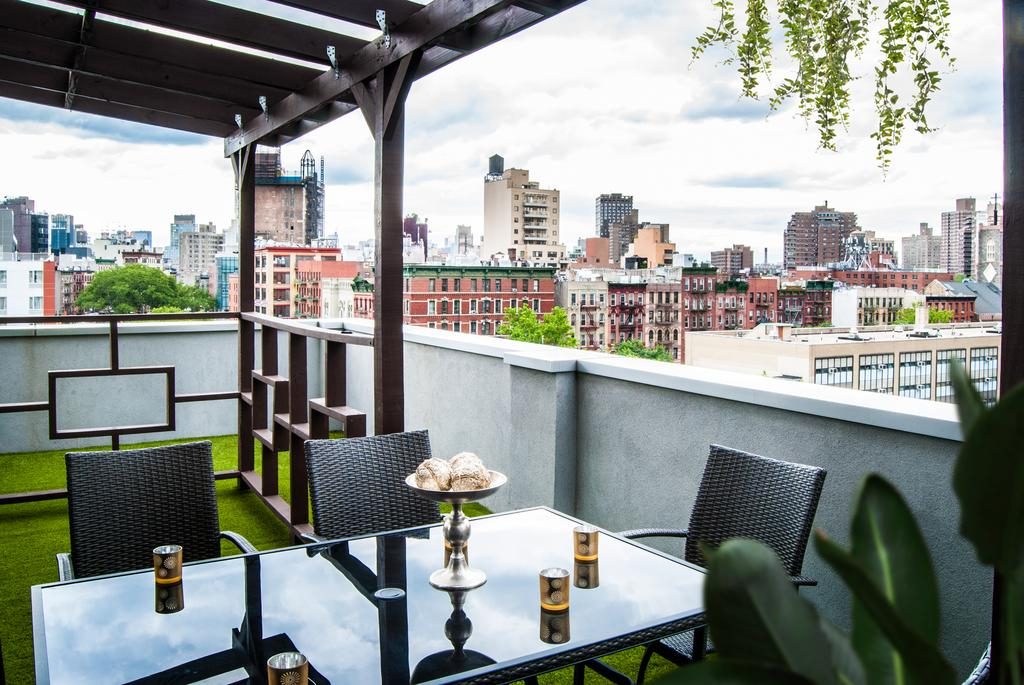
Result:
[{"x": 602, "y": 98}]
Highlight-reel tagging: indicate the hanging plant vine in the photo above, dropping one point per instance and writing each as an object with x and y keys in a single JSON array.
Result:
[{"x": 822, "y": 37}]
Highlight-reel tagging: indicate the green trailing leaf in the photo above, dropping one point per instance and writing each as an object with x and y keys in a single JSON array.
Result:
[
  {"x": 757, "y": 617},
  {"x": 989, "y": 478},
  {"x": 887, "y": 544},
  {"x": 921, "y": 658},
  {"x": 821, "y": 39},
  {"x": 722, "y": 672},
  {"x": 968, "y": 402}
]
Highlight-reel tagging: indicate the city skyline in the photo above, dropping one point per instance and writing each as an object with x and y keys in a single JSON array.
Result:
[{"x": 678, "y": 139}]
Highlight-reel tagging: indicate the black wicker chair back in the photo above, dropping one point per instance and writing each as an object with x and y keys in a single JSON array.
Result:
[
  {"x": 123, "y": 504},
  {"x": 357, "y": 485},
  {"x": 746, "y": 495}
]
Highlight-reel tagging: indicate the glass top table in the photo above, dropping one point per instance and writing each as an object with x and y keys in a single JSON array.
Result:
[{"x": 362, "y": 611}]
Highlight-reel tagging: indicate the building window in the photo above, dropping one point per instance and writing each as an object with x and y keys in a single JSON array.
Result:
[
  {"x": 457, "y": 306},
  {"x": 985, "y": 372},
  {"x": 444, "y": 285},
  {"x": 472, "y": 307},
  {"x": 943, "y": 381},
  {"x": 472, "y": 326},
  {"x": 572, "y": 299},
  {"x": 458, "y": 285},
  {"x": 472, "y": 285},
  {"x": 834, "y": 371},
  {"x": 3, "y": 278},
  {"x": 457, "y": 327},
  {"x": 407, "y": 306},
  {"x": 487, "y": 285},
  {"x": 916, "y": 375},
  {"x": 497, "y": 306},
  {"x": 497, "y": 285},
  {"x": 536, "y": 286},
  {"x": 444, "y": 306},
  {"x": 877, "y": 372},
  {"x": 536, "y": 305},
  {"x": 431, "y": 307},
  {"x": 35, "y": 277},
  {"x": 431, "y": 284}
]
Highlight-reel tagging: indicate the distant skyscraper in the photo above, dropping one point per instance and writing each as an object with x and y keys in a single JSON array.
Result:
[
  {"x": 197, "y": 252},
  {"x": 464, "y": 239},
  {"x": 62, "y": 233},
  {"x": 182, "y": 223},
  {"x": 40, "y": 233},
  {"x": 612, "y": 208},
  {"x": 816, "y": 238},
  {"x": 520, "y": 217},
  {"x": 958, "y": 229},
  {"x": 23, "y": 209},
  {"x": 923, "y": 251},
  {"x": 6, "y": 230},
  {"x": 732, "y": 260},
  {"x": 81, "y": 235},
  {"x": 227, "y": 264}
]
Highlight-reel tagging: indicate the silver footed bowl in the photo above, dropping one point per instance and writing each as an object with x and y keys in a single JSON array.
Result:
[{"x": 458, "y": 496}]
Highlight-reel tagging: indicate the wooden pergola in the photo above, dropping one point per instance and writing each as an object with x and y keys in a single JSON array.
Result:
[{"x": 253, "y": 78}]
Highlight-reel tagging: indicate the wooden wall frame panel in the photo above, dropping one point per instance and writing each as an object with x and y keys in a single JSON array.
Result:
[{"x": 110, "y": 431}]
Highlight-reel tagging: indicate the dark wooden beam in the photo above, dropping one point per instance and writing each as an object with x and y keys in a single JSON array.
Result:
[
  {"x": 46, "y": 51},
  {"x": 422, "y": 29},
  {"x": 120, "y": 92},
  {"x": 244, "y": 166},
  {"x": 40, "y": 25},
  {"x": 84, "y": 37},
  {"x": 55, "y": 98},
  {"x": 361, "y": 12},
  {"x": 383, "y": 104},
  {"x": 206, "y": 19}
]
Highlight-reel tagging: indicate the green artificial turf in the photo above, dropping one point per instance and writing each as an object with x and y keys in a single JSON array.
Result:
[{"x": 32, "y": 534}]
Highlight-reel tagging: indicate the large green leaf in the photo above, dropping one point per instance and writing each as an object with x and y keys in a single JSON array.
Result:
[
  {"x": 845, "y": 661},
  {"x": 756, "y": 616},
  {"x": 727, "y": 672},
  {"x": 922, "y": 659},
  {"x": 968, "y": 402},
  {"x": 989, "y": 479},
  {"x": 888, "y": 545}
]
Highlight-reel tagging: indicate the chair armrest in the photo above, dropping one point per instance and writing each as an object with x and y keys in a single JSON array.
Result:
[
  {"x": 65, "y": 571},
  {"x": 654, "y": 533},
  {"x": 801, "y": 581},
  {"x": 238, "y": 541},
  {"x": 312, "y": 537}
]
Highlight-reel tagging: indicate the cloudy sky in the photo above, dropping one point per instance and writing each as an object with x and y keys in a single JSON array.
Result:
[{"x": 600, "y": 99}]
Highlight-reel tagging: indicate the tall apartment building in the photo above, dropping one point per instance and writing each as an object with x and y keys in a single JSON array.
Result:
[
  {"x": 817, "y": 237},
  {"x": 227, "y": 264},
  {"x": 27, "y": 284},
  {"x": 23, "y": 209},
  {"x": 662, "y": 325},
  {"x": 730, "y": 261},
  {"x": 958, "y": 229},
  {"x": 521, "y": 219},
  {"x": 182, "y": 223},
  {"x": 289, "y": 206},
  {"x": 584, "y": 297},
  {"x": 40, "y": 233},
  {"x": 62, "y": 233},
  {"x": 923, "y": 251},
  {"x": 652, "y": 244},
  {"x": 464, "y": 239},
  {"x": 885, "y": 361},
  {"x": 610, "y": 208},
  {"x": 197, "y": 257},
  {"x": 468, "y": 299}
]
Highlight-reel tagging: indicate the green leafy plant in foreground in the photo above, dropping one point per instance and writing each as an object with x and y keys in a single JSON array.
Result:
[{"x": 764, "y": 632}]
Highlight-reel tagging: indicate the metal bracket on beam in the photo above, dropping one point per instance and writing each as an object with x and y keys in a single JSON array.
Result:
[
  {"x": 332, "y": 56},
  {"x": 238, "y": 120},
  {"x": 263, "y": 106},
  {"x": 382, "y": 22}
]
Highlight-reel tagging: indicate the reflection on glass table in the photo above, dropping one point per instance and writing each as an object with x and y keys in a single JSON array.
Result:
[{"x": 363, "y": 611}]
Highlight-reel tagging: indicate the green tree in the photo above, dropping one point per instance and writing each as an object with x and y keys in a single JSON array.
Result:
[
  {"x": 521, "y": 323},
  {"x": 821, "y": 39},
  {"x": 906, "y": 317},
  {"x": 636, "y": 348},
  {"x": 138, "y": 288}
]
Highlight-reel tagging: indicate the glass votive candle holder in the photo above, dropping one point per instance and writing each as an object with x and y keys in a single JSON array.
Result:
[
  {"x": 167, "y": 564},
  {"x": 586, "y": 574},
  {"x": 554, "y": 589},
  {"x": 169, "y": 597},
  {"x": 554, "y": 627},
  {"x": 288, "y": 668},
  {"x": 584, "y": 542}
]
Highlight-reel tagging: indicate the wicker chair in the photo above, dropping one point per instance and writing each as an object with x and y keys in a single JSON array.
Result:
[
  {"x": 742, "y": 495},
  {"x": 982, "y": 672},
  {"x": 123, "y": 504},
  {"x": 357, "y": 484}
]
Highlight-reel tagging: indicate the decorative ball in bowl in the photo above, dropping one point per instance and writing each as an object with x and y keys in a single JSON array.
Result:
[{"x": 461, "y": 479}]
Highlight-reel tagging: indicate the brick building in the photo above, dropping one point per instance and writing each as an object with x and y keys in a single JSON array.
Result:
[
  {"x": 473, "y": 299},
  {"x": 816, "y": 237},
  {"x": 316, "y": 283},
  {"x": 662, "y": 325},
  {"x": 276, "y": 275},
  {"x": 626, "y": 310},
  {"x": 807, "y": 305}
]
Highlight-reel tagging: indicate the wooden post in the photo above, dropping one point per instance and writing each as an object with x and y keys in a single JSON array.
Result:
[
  {"x": 382, "y": 101},
  {"x": 245, "y": 183}
]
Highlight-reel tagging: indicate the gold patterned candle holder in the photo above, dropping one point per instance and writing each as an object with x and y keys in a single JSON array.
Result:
[
  {"x": 584, "y": 542},
  {"x": 287, "y": 668},
  {"x": 554, "y": 626},
  {"x": 554, "y": 589},
  {"x": 167, "y": 561},
  {"x": 586, "y": 574},
  {"x": 169, "y": 598}
]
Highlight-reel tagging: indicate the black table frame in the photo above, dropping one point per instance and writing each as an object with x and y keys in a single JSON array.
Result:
[{"x": 503, "y": 672}]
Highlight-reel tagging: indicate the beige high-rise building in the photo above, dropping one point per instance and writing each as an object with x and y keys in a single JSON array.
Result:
[
  {"x": 922, "y": 252},
  {"x": 521, "y": 219},
  {"x": 197, "y": 252},
  {"x": 958, "y": 233}
]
